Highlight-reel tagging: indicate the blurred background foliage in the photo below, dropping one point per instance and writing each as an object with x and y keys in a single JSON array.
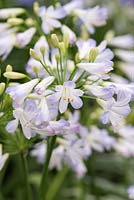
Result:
[{"x": 109, "y": 174}]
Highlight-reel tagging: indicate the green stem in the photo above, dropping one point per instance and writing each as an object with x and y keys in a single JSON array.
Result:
[
  {"x": 43, "y": 184},
  {"x": 89, "y": 97},
  {"x": 73, "y": 73},
  {"x": 81, "y": 76},
  {"x": 61, "y": 67},
  {"x": 25, "y": 177},
  {"x": 57, "y": 183}
]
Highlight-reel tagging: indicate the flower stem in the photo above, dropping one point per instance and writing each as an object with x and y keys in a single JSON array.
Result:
[
  {"x": 25, "y": 177},
  {"x": 43, "y": 184}
]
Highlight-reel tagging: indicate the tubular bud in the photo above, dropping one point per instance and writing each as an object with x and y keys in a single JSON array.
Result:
[
  {"x": 34, "y": 55},
  {"x": 14, "y": 75},
  {"x": 55, "y": 40},
  {"x": 9, "y": 68},
  {"x": 2, "y": 88}
]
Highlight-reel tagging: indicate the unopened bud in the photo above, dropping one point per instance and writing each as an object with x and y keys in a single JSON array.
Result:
[
  {"x": 14, "y": 75},
  {"x": 93, "y": 54},
  {"x": 29, "y": 22},
  {"x": 2, "y": 88},
  {"x": 35, "y": 69},
  {"x": 15, "y": 21},
  {"x": 66, "y": 40},
  {"x": 77, "y": 59},
  {"x": 9, "y": 68},
  {"x": 109, "y": 36},
  {"x": 57, "y": 57},
  {"x": 36, "y": 7},
  {"x": 34, "y": 55},
  {"x": 62, "y": 48},
  {"x": 42, "y": 50},
  {"x": 55, "y": 40}
]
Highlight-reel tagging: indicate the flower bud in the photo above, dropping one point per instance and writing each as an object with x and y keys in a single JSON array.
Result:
[
  {"x": 15, "y": 21},
  {"x": 42, "y": 50},
  {"x": 2, "y": 88},
  {"x": 34, "y": 55},
  {"x": 66, "y": 40},
  {"x": 14, "y": 75},
  {"x": 109, "y": 35},
  {"x": 36, "y": 7},
  {"x": 62, "y": 48},
  {"x": 29, "y": 22},
  {"x": 55, "y": 40},
  {"x": 57, "y": 57},
  {"x": 77, "y": 60},
  {"x": 36, "y": 70},
  {"x": 93, "y": 54},
  {"x": 9, "y": 68}
]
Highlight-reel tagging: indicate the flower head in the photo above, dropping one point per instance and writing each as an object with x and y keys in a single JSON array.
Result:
[{"x": 66, "y": 94}]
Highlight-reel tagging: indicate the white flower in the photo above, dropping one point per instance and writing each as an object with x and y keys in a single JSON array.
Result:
[
  {"x": 124, "y": 145},
  {"x": 71, "y": 6},
  {"x": 7, "y": 40},
  {"x": 123, "y": 41},
  {"x": 3, "y": 158},
  {"x": 98, "y": 69},
  {"x": 125, "y": 55},
  {"x": 66, "y": 30},
  {"x": 10, "y": 12},
  {"x": 97, "y": 59},
  {"x": 128, "y": 69},
  {"x": 99, "y": 91},
  {"x": 39, "y": 152},
  {"x": 25, "y": 120},
  {"x": 66, "y": 94},
  {"x": 131, "y": 192},
  {"x": 95, "y": 139},
  {"x": 115, "y": 110},
  {"x": 50, "y": 18},
  {"x": 20, "y": 92},
  {"x": 24, "y": 38},
  {"x": 92, "y": 17}
]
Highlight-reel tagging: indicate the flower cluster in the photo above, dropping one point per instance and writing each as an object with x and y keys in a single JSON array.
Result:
[{"x": 70, "y": 91}]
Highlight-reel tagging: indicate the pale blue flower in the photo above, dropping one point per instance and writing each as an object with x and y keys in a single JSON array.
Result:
[
  {"x": 66, "y": 94},
  {"x": 25, "y": 37},
  {"x": 115, "y": 110},
  {"x": 50, "y": 17}
]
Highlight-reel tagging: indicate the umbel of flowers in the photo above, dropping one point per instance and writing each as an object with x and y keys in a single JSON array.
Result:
[{"x": 63, "y": 70}]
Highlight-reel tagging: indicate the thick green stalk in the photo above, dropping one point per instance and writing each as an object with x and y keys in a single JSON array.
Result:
[
  {"x": 56, "y": 184},
  {"x": 24, "y": 168},
  {"x": 43, "y": 184}
]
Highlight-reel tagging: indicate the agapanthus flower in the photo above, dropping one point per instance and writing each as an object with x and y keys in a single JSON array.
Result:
[
  {"x": 99, "y": 91},
  {"x": 124, "y": 144},
  {"x": 50, "y": 17},
  {"x": 20, "y": 92},
  {"x": 10, "y": 12},
  {"x": 115, "y": 110},
  {"x": 72, "y": 36},
  {"x": 125, "y": 55},
  {"x": 128, "y": 69},
  {"x": 95, "y": 139},
  {"x": 92, "y": 17},
  {"x": 66, "y": 94},
  {"x": 123, "y": 41},
  {"x": 131, "y": 192},
  {"x": 25, "y": 37},
  {"x": 3, "y": 158},
  {"x": 71, "y": 6},
  {"x": 96, "y": 59}
]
